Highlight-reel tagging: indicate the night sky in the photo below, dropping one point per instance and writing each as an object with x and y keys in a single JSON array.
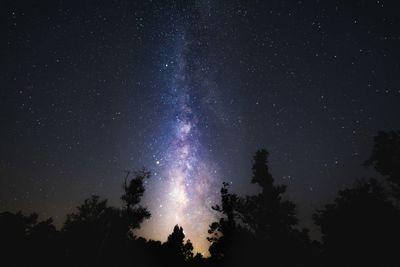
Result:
[{"x": 191, "y": 90}]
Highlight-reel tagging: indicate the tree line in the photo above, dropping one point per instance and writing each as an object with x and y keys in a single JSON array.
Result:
[{"x": 360, "y": 228}]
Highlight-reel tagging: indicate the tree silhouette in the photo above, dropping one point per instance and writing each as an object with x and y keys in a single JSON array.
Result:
[
  {"x": 102, "y": 235},
  {"x": 133, "y": 192},
  {"x": 26, "y": 242},
  {"x": 45, "y": 245},
  {"x": 259, "y": 228},
  {"x": 187, "y": 250},
  {"x": 197, "y": 260},
  {"x": 87, "y": 231},
  {"x": 179, "y": 252},
  {"x": 273, "y": 220},
  {"x": 267, "y": 214},
  {"x": 361, "y": 228},
  {"x": 385, "y": 158},
  {"x": 224, "y": 233}
]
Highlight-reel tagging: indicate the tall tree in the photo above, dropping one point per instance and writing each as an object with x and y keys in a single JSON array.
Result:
[
  {"x": 258, "y": 228},
  {"x": 272, "y": 219},
  {"x": 266, "y": 213}
]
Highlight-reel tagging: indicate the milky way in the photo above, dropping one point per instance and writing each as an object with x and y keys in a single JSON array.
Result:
[
  {"x": 190, "y": 90},
  {"x": 184, "y": 175}
]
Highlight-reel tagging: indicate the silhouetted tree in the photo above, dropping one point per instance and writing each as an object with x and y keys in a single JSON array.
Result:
[
  {"x": 361, "y": 228},
  {"x": 187, "y": 250},
  {"x": 267, "y": 214},
  {"x": 223, "y": 232},
  {"x": 385, "y": 158},
  {"x": 26, "y": 242},
  {"x": 179, "y": 252},
  {"x": 45, "y": 243},
  {"x": 273, "y": 220},
  {"x": 258, "y": 229},
  {"x": 100, "y": 235},
  {"x": 133, "y": 192},
  {"x": 87, "y": 231},
  {"x": 197, "y": 260}
]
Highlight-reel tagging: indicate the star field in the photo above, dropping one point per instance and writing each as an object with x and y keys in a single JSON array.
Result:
[{"x": 191, "y": 91}]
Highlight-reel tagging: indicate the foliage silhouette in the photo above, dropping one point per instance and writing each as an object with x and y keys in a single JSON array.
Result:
[
  {"x": 26, "y": 242},
  {"x": 178, "y": 251},
  {"x": 273, "y": 220},
  {"x": 361, "y": 228},
  {"x": 385, "y": 158},
  {"x": 133, "y": 192},
  {"x": 89, "y": 232},
  {"x": 101, "y": 235},
  {"x": 258, "y": 226},
  {"x": 229, "y": 239}
]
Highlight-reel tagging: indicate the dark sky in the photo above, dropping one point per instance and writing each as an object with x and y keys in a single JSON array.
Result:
[{"x": 191, "y": 90}]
